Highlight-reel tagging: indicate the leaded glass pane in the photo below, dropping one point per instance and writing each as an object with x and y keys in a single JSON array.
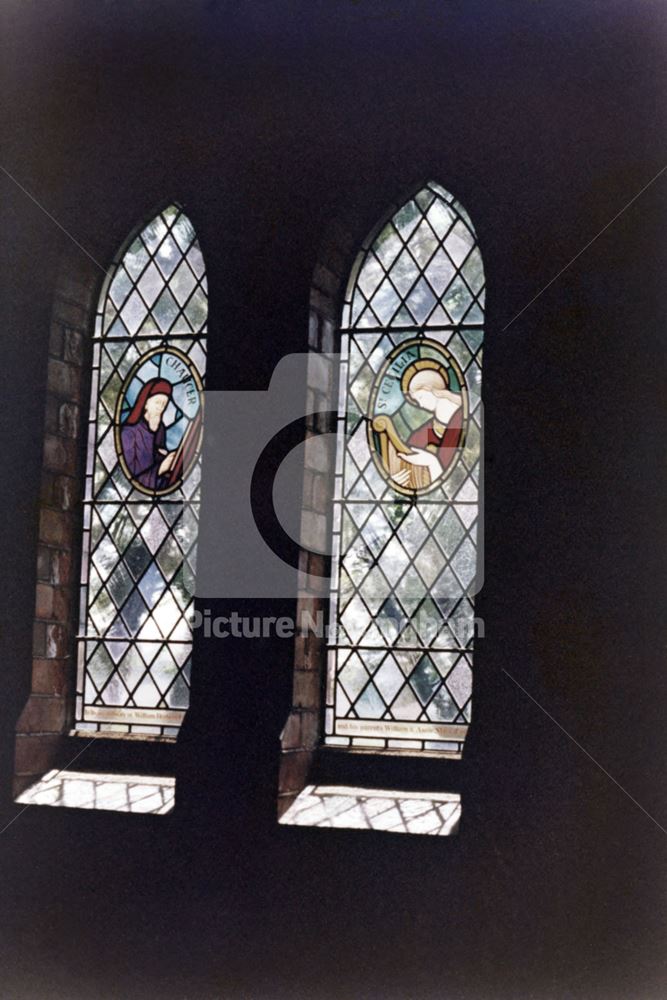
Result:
[
  {"x": 423, "y": 268},
  {"x": 142, "y": 485},
  {"x": 406, "y": 504}
]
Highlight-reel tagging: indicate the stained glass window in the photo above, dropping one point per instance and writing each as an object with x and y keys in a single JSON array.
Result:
[
  {"x": 141, "y": 502},
  {"x": 406, "y": 500}
]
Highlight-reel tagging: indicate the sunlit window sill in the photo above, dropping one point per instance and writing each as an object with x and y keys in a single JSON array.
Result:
[
  {"x": 343, "y": 807},
  {"x": 125, "y": 793}
]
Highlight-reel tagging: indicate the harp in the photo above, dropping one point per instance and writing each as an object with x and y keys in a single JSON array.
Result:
[
  {"x": 391, "y": 444},
  {"x": 186, "y": 450}
]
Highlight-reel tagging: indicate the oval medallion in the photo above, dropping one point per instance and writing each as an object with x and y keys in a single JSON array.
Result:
[
  {"x": 418, "y": 410},
  {"x": 158, "y": 424}
]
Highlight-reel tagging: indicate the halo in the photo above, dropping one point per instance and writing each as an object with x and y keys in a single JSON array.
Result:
[{"x": 424, "y": 364}]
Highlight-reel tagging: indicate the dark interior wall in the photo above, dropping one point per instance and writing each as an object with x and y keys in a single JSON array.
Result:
[{"x": 267, "y": 121}]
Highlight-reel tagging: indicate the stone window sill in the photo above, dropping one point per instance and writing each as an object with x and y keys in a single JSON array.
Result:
[
  {"x": 345, "y": 807},
  {"x": 125, "y": 793}
]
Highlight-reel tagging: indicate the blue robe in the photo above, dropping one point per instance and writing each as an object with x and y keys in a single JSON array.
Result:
[{"x": 140, "y": 450}]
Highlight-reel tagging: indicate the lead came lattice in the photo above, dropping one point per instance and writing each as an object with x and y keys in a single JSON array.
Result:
[
  {"x": 405, "y": 557},
  {"x": 140, "y": 533}
]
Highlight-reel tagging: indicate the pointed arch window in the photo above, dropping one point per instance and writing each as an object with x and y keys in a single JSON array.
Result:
[
  {"x": 406, "y": 498},
  {"x": 141, "y": 500}
]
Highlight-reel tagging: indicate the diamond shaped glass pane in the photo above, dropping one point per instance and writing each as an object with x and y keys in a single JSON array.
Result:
[
  {"x": 423, "y": 244},
  {"x": 404, "y": 273},
  {"x": 371, "y": 276},
  {"x": 151, "y": 284},
  {"x": 464, "y": 563},
  {"x": 183, "y": 232},
  {"x": 459, "y": 682},
  {"x": 441, "y": 217},
  {"x": 385, "y": 302},
  {"x": 153, "y": 530},
  {"x": 182, "y": 283},
  {"x": 196, "y": 310},
  {"x": 133, "y": 312},
  {"x": 152, "y": 585},
  {"x": 420, "y": 301},
  {"x": 168, "y": 256},
  {"x": 407, "y": 218},
  {"x": 457, "y": 299},
  {"x": 440, "y": 271},
  {"x": 387, "y": 246},
  {"x": 369, "y": 705},
  {"x": 131, "y": 668},
  {"x": 146, "y": 695},
  {"x": 119, "y": 287},
  {"x": 429, "y": 562},
  {"x": 165, "y": 310},
  {"x": 473, "y": 271},
  {"x": 353, "y": 677},
  {"x": 406, "y": 707},
  {"x": 393, "y": 559},
  {"x": 135, "y": 259},
  {"x": 356, "y": 619},
  {"x": 100, "y": 666},
  {"x": 164, "y": 670},
  {"x": 425, "y": 680},
  {"x": 442, "y": 708},
  {"x": 388, "y": 679},
  {"x": 119, "y": 584},
  {"x": 459, "y": 242},
  {"x": 178, "y": 695}
]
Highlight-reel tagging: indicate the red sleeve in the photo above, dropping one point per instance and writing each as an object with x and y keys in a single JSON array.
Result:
[{"x": 451, "y": 439}]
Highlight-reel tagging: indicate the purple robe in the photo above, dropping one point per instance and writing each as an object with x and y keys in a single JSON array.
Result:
[{"x": 140, "y": 449}]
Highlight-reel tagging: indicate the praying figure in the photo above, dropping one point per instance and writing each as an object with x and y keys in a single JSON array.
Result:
[{"x": 143, "y": 437}]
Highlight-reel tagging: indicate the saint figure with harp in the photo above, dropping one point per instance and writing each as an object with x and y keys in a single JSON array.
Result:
[{"x": 416, "y": 463}]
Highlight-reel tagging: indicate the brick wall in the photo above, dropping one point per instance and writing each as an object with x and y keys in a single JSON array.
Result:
[
  {"x": 49, "y": 710},
  {"x": 302, "y": 732}
]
